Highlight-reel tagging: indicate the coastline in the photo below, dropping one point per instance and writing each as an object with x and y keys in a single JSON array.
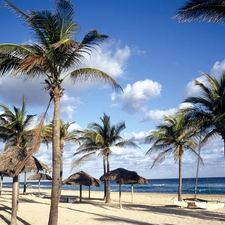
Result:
[{"x": 147, "y": 208}]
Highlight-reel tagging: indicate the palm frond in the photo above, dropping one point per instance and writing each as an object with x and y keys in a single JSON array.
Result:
[
  {"x": 203, "y": 10},
  {"x": 92, "y": 74}
]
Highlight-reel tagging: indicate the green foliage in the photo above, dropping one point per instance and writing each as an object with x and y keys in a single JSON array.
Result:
[
  {"x": 100, "y": 138},
  {"x": 208, "y": 109},
  {"x": 16, "y": 127},
  {"x": 172, "y": 137}
]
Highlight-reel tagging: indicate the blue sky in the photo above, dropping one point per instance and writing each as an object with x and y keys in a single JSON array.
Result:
[{"x": 152, "y": 56}]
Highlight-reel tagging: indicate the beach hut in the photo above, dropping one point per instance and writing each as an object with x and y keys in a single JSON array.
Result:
[
  {"x": 123, "y": 176},
  {"x": 39, "y": 177},
  {"x": 82, "y": 178}
]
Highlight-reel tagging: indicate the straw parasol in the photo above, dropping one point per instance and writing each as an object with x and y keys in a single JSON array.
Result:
[
  {"x": 123, "y": 176},
  {"x": 12, "y": 162},
  {"x": 82, "y": 178},
  {"x": 12, "y": 158},
  {"x": 39, "y": 177}
]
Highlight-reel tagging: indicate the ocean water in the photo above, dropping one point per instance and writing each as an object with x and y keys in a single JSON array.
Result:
[{"x": 215, "y": 185}]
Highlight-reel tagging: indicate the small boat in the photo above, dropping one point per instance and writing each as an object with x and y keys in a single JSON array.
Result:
[
  {"x": 198, "y": 203},
  {"x": 181, "y": 204},
  {"x": 209, "y": 205}
]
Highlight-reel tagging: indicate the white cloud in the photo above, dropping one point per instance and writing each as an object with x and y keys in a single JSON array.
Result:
[
  {"x": 194, "y": 90},
  {"x": 135, "y": 97},
  {"x": 218, "y": 68},
  {"x": 138, "y": 138},
  {"x": 111, "y": 62},
  {"x": 68, "y": 106},
  {"x": 158, "y": 115}
]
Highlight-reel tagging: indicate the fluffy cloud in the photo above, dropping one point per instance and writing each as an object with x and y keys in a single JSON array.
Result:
[
  {"x": 135, "y": 97},
  {"x": 216, "y": 71},
  {"x": 157, "y": 115},
  {"x": 139, "y": 138},
  {"x": 111, "y": 62},
  {"x": 68, "y": 105},
  {"x": 218, "y": 68}
]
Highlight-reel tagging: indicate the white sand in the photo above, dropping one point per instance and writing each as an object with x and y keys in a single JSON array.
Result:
[{"x": 147, "y": 208}]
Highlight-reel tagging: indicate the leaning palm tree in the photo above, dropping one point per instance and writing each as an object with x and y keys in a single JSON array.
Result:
[
  {"x": 55, "y": 56},
  {"x": 101, "y": 138},
  {"x": 172, "y": 137},
  {"x": 203, "y": 10},
  {"x": 65, "y": 136},
  {"x": 208, "y": 109},
  {"x": 16, "y": 131}
]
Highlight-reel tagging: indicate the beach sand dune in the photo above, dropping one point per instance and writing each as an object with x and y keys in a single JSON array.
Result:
[{"x": 146, "y": 209}]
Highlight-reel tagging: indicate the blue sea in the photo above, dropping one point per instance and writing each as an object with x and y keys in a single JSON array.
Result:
[{"x": 215, "y": 185}]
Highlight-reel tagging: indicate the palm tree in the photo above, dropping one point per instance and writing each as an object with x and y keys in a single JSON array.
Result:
[
  {"x": 172, "y": 137},
  {"x": 204, "y": 10},
  {"x": 101, "y": 138},
  {"x": 65, "y": 136},
  {"x": 54, "y": 56},
  {"x": 15, "y": 127},
  {"x": 16, "y": 130},
  {"x": 208, "y": 109}
]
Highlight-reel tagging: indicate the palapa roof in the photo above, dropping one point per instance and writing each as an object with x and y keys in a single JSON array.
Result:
[
  {"x": 12, "y": 158},
  {"x": 82, "y": 178},
  {"x": 123, "y": 176},
  {"x": 39, "y": 176}
]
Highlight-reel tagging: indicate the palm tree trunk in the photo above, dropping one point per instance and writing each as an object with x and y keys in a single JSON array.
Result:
[
  {"x": 14, "y": 200},
  {"x": 104, "y": 169},
  {"x": 25, "y": 184},
  {"x": 61, "y": 170},
  {"x": 80, "y": 192},
  {"x": 1, "y": 181},
  {"x": 56, "y": 159},
  {"x": 180, "y": 179},
  {"x": 108, "y": 199}
]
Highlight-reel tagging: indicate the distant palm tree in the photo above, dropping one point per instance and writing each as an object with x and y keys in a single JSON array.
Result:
[
  {"x": 204, "y": 10},
  {"x": 55, "y": 56},
  {"x": 65, "y": 136},
  {"x": 101, "y": 138},
  {"x": 16, "y": 129},
  {"x": 208, "y": 109},
  {"x": 172, "y": 137}
]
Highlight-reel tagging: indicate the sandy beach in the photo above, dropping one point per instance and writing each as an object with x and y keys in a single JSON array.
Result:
[{"x": 147, "y": 208}]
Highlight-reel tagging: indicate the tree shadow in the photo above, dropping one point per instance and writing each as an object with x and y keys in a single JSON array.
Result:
[
  {"x": 165, "y": 210},
  {"x": 7, "y": 209}
]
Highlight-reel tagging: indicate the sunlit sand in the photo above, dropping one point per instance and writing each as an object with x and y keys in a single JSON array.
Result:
[{"x": 147, "y": 208}]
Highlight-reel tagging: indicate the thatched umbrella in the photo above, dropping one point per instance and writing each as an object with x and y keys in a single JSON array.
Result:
[
  {"x": 123, "y": 176},
  {"x": 39, "y": 177},
  {"x": 11, "y": 162},
  {"x": 11, "y": 159},
  {"x": 82, "y": 178}
]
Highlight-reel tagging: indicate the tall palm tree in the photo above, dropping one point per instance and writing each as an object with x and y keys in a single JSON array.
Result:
[
  {"x": 204, "y": 10},
  {"x": 65, "y": 136},
  {"x": 208, "y": 109},
  {"x": 101, "y": 138},
  {"x": 16, "y": 130},
  {"x": 54, "y": 56},
  {"x": 172, "y": 137}
]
